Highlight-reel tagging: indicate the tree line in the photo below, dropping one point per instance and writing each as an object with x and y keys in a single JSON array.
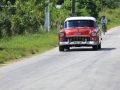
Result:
[{"x": 28, "y": 16}]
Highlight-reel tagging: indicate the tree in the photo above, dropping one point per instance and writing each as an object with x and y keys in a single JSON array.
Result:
[
  {"x": 112, "y": 4},
  {"x": 60, "y": 2},
  {"x": 11, "y": 1},
  {"x": 57, "y": 16},
  {"x": 87, "y": 7}
]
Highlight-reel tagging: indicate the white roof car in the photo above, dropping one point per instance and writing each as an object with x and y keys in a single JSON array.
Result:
[
  {"x": 80, "y": 31},
  {"x": 81, "y": 18}
]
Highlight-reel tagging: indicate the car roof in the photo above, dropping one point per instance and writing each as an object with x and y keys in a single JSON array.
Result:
[{"x": 81, "y": 18}]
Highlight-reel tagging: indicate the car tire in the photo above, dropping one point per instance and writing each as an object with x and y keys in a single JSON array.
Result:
[
  {"x": 61, "y": 48},
  {"x": 68, "y": 48},
  {"x": 99, "y": 46},
  {"x": 95, "y": 47}
]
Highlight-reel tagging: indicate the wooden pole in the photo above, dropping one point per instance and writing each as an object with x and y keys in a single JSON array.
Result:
[{"x": 73, "y": 7}]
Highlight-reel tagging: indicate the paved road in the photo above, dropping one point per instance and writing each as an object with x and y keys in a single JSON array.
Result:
[{"x": 77, "y": 69}]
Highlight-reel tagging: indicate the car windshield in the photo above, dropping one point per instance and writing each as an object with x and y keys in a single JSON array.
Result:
[{"x": 78, "y": 23}]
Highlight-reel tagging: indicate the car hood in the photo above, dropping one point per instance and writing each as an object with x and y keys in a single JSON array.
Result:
[{"x": 78, "y": 31}]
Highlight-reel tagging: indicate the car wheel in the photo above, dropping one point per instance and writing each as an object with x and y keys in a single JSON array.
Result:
[
  {"x": 61, "y": 48},
  {"x": 68, "y": 48},
  {"x": 99, "y": 46},
  {"x": 95, "y": 47}
]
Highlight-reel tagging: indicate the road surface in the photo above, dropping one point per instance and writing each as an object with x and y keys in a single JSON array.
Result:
[{"x": 77, "y": 69}]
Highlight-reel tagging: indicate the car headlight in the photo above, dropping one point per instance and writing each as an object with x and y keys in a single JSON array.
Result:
[
  {"x": 94, "y": 34},
  {"x": 61, "y": 34}
]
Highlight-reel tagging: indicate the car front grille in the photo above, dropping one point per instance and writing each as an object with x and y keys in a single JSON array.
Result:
[{"x": 77, "y": 38}]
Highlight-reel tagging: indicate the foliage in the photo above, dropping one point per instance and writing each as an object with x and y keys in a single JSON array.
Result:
[
  {"x": 24, "y": 16},
  {"x": 111, "y": 4},
  {"x": 92, "y": 8},
  {"x": 28, "y": 16},
  {"x": 58, "y": 16}
]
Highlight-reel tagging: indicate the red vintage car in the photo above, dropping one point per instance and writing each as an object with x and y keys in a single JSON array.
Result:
[{"x": 80, "y": 31}]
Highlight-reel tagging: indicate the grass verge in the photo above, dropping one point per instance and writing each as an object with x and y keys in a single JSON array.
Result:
[{"x": 18, "y": 47}]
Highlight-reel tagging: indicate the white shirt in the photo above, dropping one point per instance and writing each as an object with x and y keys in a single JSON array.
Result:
[{"x": 104, "y": 20}]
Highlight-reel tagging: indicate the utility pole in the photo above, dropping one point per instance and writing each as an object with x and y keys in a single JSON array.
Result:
[
  {"x": 73, "y": 7},
  {"x": 47, "y": 17}
]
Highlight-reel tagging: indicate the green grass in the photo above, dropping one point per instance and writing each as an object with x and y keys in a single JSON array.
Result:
[{"x": 23, "y": 46}]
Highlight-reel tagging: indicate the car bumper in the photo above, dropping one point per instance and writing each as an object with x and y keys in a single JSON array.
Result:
[{"x": 89, "y": 43}]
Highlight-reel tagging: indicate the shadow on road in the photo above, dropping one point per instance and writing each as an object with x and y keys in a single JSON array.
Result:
[{"x": 107, "y": 49}]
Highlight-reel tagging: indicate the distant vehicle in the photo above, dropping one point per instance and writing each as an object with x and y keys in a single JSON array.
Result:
[{"x": 80, "y": 31}]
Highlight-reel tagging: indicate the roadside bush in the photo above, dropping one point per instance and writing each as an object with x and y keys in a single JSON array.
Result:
[{"x": 18, "y": 27}]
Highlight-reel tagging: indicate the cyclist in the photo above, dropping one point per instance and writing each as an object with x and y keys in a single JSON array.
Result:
[{"x": 104, "y": 24}]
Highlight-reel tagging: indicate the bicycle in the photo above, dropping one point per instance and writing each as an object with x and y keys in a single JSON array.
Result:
[{"x": 104, "y": 28}]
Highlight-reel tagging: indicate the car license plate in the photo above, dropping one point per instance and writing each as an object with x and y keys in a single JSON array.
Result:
[{"x": 77, "y": 42}]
